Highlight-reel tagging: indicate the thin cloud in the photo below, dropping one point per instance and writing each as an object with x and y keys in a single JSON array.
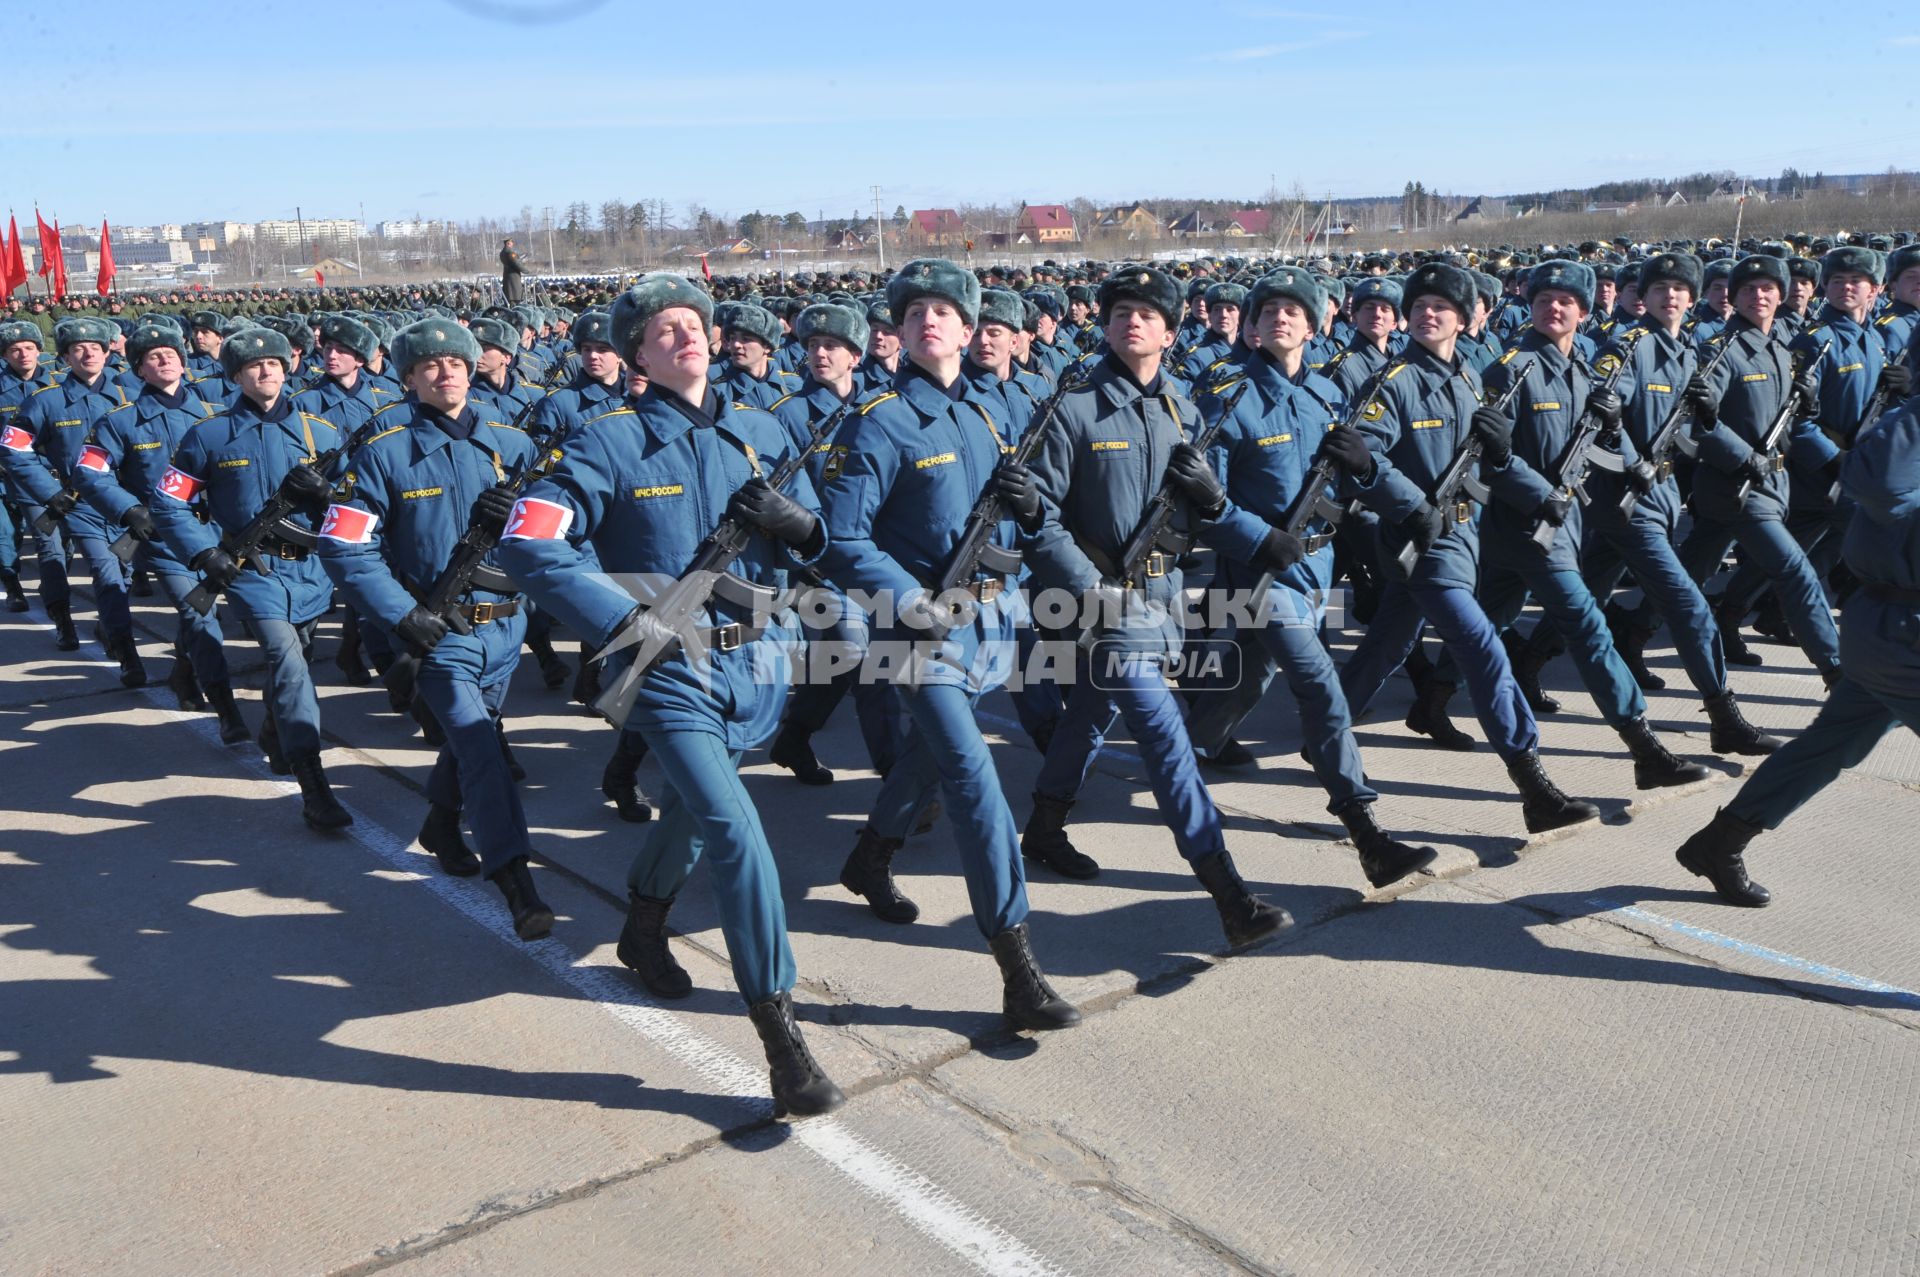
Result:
[
  {"x": 1253, "y": 53},
  {"x": 1903, "y": 42},
  {"x": 1273, "y": 14}
]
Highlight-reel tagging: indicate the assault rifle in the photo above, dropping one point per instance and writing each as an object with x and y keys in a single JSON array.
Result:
[
  {"x": 1673, "y": 434},
  {"x": 1782, "y": 422},
  {"x": 1459, "y": 488},
  {"x": 270, "y": 520},
  {"x": 1587, "y": 449}
]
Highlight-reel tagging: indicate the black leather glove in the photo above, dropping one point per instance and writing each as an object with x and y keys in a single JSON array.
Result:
[
  {"x": 1806, "y": 384},
  {"x": 1756, "y": 469},
  {"x": 307, "y": 488},
  {"x": 1495, "y": 432},
  {"x": 1019, "y": 493},
  {"x": 1641, "y": 476},
  {"x": 1554, "y": 509},
  {"x": 493, "y": 508},
  {"x": 654, "y": 639},
  {"x": 1705, "y": 404},
  {"x": 1830, "y": 468},
  {"x": 1605, "y": 405},
  {"x": 1897, "y": 381},
  {"x": 217, "y": 568},
  {"x": 1424, "y": 526},
  {"x": 421, "y": 630},
  {"x": 137, "y": 521},
  {"x": 1189, "y": 470},
  {"x": 61, "y": 503},
  {"x": 1348, "y": 450},
  {"x": 1279, "y": 551},
  {"x": 774, "y": 513}
]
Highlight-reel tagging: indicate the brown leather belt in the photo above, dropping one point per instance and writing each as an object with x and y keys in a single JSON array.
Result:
[{"x": 484, "y": 613}]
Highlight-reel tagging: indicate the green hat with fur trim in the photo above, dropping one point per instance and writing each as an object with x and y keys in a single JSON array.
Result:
[
  {"x": 498, "y": 333},
  {"x": 1562, "y": 277},
  {"x": 165, "y": 320},
  {"x": 429, "y": 338},
  {"x": 1679, "y": 268},
  {"x": 1754, "y": 269},
  {"x": 1226, "y": 295},
  {"x": 1803, "y": 268},
  {"x": 1486, "y": 285},
  {"x": 1719, "y": 268},
  {"x": 18, "y": 330},
  {"x": 592, "y": 325},
  {"x": 294, "y": 329},
  {"x": 1000, "y": 306},
  {"x": 351, "y": 333},
  {"x": 879, "y": 315},
  {"x": 634, "y": 309},
  {"x": 79, "y": 328},
  {"x": 1135, "y": 282},
  {"x": 1901, "y": 259},
  {"x": 528, "y": 317},
  {"x": 937, "y": 278},
  {"x": 251, "y": 345},
  {"x": 211, "y": 320},
  {"x": 1450, "y": 284},
  {"x": 1284, "y": 283},
  {"x": 148, "y": 337},
  {"x": 1378, "y": 288},
  {"x": 1850, "y": 257},
  {"x": 753, "y": 321},
  {"x": 842, "y": 323}
]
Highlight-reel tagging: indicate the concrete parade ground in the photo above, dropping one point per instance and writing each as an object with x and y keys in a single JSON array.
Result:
[{"x": 229, "y": 1045}]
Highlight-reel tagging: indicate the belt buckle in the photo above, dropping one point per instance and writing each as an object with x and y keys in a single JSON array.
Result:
[
  {"x": 1663, "y": 471},
  {"x": 482, "y": 613},
  {"x": 989, "y": 590},
  {"x": 727, "y": 638},
  {"x": 1462, "y": 511},
  {"x": 1776, "y": 462},
  {"x": 1156, "y": 565}
]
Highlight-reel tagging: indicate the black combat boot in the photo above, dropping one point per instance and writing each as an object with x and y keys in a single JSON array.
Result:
[
  {"x": 531, "y": 917},
  {"x": 440, "y": 834},
  {"x": 347, "y": 658},
  {"x": 233, "y": 728},
  {"x": 1029, "y": 1002},
  {"x": 554, "y": 672},
  {"x": 318, "y": 807},
  {"x": 1630, "y": 640},
  {"x": 1654, "y": 766},
  {"x": 1245, "y": 917},
  {"x": 799, "y": 1087},
  {"x": 183, "y": 685},
  {"x": 869, "y": 873},
  {"x": 1428, "y": 714},
  {"x": 270, "y": 746},
  {"x": 133, "y": 671},
  {"x": 1731, "y": 644},
  {"x": 586, "y": 680},
  {"x": 1230, "y": 754},
  {"x": 793, "y": 750},
  {"x": 1732, "y": 733},
  {"x": 65, "y": 637},
  {"x": 1545, "y": 807},
  {"x": 1045, "y": 839},
  {"x": 1717, "y": 853},
  {"x": 1527, "y": 661},
  {"x": 620, "y": 782},
  {"x": 1383, "y": 858},
  {"x": 16, "y": 596},
  {"x": 643, "y": 947},
  {"x": 141, "y": 586}
]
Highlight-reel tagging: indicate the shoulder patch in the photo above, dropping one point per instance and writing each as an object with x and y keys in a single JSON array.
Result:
[
  {"x": 875, "y": 402},
  {"x": 603, "y": 416},
  {"x": 1373, "y": 411},
  {"x": 1224, "y": 386},
  {"x": 390, "y": 430},
  {"x": 782, "y": 399},
  {"x": 1397, "y": 370},
  {"x": 1509, "y": 355}
]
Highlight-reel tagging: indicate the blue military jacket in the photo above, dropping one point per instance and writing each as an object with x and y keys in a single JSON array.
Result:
[
  {"x": 347, "y": 409},
  {"x": 136, "y": 443},
  {"x": 1659, "y": 368},
  {"x": 567, "y": 409},
  {"x": 760, "y": 392},
  {"x": 61, "y": 418},
  {"x": 1750, "y": 384},
  {"x": 1847, "y": 376},
  {"x": 1549, "y": 406},
  {"x": 1881, "y": 474},
  {"x": 14, "y": 391}
]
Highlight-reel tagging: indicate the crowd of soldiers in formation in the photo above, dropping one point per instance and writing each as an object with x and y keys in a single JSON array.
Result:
[{"x": 944, "y": 479}]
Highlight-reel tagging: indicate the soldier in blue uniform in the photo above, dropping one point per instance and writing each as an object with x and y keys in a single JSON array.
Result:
[
  {"x": 1222, "y": 337},
  {"x": 1880, "y": 648},
  {"x": 135, "y": 444},
  {"x": 1423, "y": 414},
  {"x": 748, "y": 338},
  {"x": 226, "y": 468},
  {"x": 205, "y": 329},
  {"x": 643, "y": 485},
  {"x": 21, "y": 374},
  {"x": 1376, "y": 338},
  {"x": 61, "y": 419},
  {"x": 905, "y": 473},
  {"x": 433, "y": 466},
  {"x": 877, "y": 370},
  {"x": 496, "y": 384},
  {"x": 1896, "y": 323}
]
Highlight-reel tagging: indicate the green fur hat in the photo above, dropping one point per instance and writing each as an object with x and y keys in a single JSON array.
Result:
[
  {"x": 148, "y": 337},
  {"x": 1226, "y": 295},
  {"x": 428, "y": 338},
  {"x": 81, "y": 328},
  {"x": 251, "y": 345},
  {"x": 756, "y": 322},
  {"x": 1134, "y": 282},
  {"x": 592, "y": 325},
  {"x": 498, "y": 333},
  {"x": 1850, "y": 257},
  {"x": 18, "y": 330},
  {"x": 1450, "y": 284},
  {"x": 842, "y": 323},
  {"x": 1803, "y": 268},
  {"x": 352, "y": 334},
  {"x": 1562, "y": 277},
  {"x": 1051, "y": 301},
  {"x": 1378, "y": 288},
  {"x": 937, "y": 278},
  {"x": 1082, "y": 293},
  {"x": 999, "y": 306},
  {"x": 1718, "y": 268},
  {"x": 1681, "y": 268},
  {"x": 165, "y": 320},
  {"x": 1902, "y": 258},
  {"x": 634, "y": 309},
  {"x": 211, "y": 320},
  {"x": 1749, "y": 270},
  {"x": 294, "y": 329},
  {"x": 1284, "y": 283},
  {"x": 879, "y": 315},
  {"x": 528, "y": 317}
]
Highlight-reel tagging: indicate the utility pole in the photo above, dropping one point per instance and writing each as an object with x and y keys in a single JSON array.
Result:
[
  {"x": 300, "y": 224},
  {"x": 549, "y": 217},
  {"x": 879, "y": 229},
  {"x": 359, "y": 253}
]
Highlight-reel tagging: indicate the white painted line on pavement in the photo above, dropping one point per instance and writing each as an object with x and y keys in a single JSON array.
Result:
[
  {"x": 1905, "y": 997},
  {"x": 923, "y": 1203}
]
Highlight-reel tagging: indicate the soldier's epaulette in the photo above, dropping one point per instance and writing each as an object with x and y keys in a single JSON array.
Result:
[
  {"x": 1396, "y": 370},
  {"x": 1336, "y": 361},
  {"x": 1886, "y": 319},
  {"x": 390, "y": 430},
  {"x": 1815, "y": 329},
  {"x": 1216, "y": 363},
  {"x": 387, "y": 408},
  {"x": 782, "y": 399},
  {"x": 1218, "y": 388},
  {"x": 1508, "y": 357},
  {"x": 314, "y": 416},
  {"x": 603, "y": 416},
  {"x": 44, "y": 389},
  {"x": 875, "y": 402},
  {"x": 507, "y": 425}
]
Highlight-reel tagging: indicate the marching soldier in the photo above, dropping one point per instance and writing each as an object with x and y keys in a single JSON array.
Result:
[{"x": 21, "y": 375}]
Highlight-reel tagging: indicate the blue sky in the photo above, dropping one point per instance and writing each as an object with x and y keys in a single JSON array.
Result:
[{"x": 469, "y": 108}]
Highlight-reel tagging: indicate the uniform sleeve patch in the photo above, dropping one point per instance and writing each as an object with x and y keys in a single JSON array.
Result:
[
  {"x": 1373, "y": 411},
  {"x": 93, "y": 457},
  {"x": 349, "y": 525},
  {"x": 836, "y": 463},
  {"x": 537, "y": 520},
  {"x": 14, "y": 439},
  {"x": 180, "y": 485}
]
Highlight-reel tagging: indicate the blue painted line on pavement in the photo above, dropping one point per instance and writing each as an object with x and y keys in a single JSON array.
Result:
[{"x": 1905, "y": 997}]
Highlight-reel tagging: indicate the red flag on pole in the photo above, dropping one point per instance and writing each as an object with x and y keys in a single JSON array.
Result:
[
  {"x": 104, "y": 284},
  {"x": 16, "y": 260},
  {"x": 705, "y": 269},
  {"x": 319, "y": 279},
  {"x": 49, "y": 249},
  {"x": 7, "y": 284}
]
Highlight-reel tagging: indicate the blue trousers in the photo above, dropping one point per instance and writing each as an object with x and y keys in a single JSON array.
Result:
[
  {"x": 109, "y": 586},
  {"x": 1880, "y": 650},
  {"x": 1325, "y": 724},
  {"x": 9, "y": 545},
  {"x": 50, "y": 548},
  {"x": 1405, "y": 611},
  {"x": 1819, "y": 530},
  {"x": 1110, "y": 683},
  {"x": 471, "y": 771},
  {"x": 945, "y": 755},
  {"x": 1771, "y": 548},
  {"x": 1645, "y": 546},
  {"x": 1036, "y": 703},
  {"x": 1570, "y": 608},
  {"x": 882, "y": 725},
  {"x": 197, "y": 637},
  {"x": 290, "y": 699},
  {"x": 706, "y": 811}
]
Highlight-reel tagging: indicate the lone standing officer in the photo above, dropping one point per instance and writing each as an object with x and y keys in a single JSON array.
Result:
[{"x": 510, "y": 271}]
